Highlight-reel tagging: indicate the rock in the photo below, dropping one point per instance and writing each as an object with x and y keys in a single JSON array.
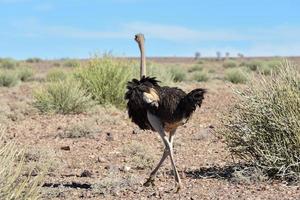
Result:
[
  {"x": 111, "y": 168},
  {"x": 101, "y": 159},
  {"x": 211, "y": 126},
  {"x": 86, "y": 173},
  {"x": 136, "y": 131},
  {"x": 66, "y": 148},
  {"x": 125, "y": 168},
  {"x": 109, "y": 136}
]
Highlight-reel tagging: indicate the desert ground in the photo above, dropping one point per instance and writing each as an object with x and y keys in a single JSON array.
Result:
[{"x": 101, "y": 154}]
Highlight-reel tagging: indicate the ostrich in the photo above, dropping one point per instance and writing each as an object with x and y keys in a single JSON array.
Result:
[{"x": 161, "y": 109}]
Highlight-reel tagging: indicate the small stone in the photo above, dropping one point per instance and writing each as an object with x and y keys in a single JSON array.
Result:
[
  {"x": 125, "y": 168},
  {"x": 86, "y": 173},
  {"x": 111, "y": 168},
  {"x": 109, "y": 136},
  {"x": 66, "y": 148},
  {"x": 136, "y": 131},
  {"x": 211, "y": 126},
  {"x": 101, "y": 159}
]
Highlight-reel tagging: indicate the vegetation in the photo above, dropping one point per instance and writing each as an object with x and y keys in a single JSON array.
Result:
[
  {"x": 178, "y": 74},
  {"x": 195, "y": 68},
  {"x": 56, "y": 74},
  {"x": 235, "y": 75},
  {"x": 140, "y": 155},
  {"x": 34, "y": 60},
  {"x": 105, "y": 79},
  {"x": 8, "y": 78},
  {"x": 7, "y": 63},
  {"x": 14, "y": 183},
  {"x": 263, "y": 128},
  {"x": 229, "y": 64},
  {"x": 201, "y": 76},
  {"x": 25, "y": 73},
  {"x": 162, "y": 73},
  {"x": 66, "y": 97},
  {"x": 253, "y": 65},
  {"x": 79, "y": 130},
  {"x": 71, "y": 63}
]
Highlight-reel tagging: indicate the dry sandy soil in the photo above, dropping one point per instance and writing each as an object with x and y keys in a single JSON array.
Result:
[{"x": 114, "y": 158}]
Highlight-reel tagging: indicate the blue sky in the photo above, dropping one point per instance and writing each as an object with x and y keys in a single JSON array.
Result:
[{"x": 78, "y": 28}]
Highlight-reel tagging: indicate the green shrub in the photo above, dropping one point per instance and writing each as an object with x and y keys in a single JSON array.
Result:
[
  {"x": 195, "y": 68},
  {"x": 71, "y": 63},
  {"x": 229, "y": 64},
  {"x": 253, "y": 65},
  {"x": 56, "y": 74},
  {"x": 268, "y": 67},
  {"x": 235, "y": 75},
  {"x": 211, "y": 71},
  {"x": 178, "y": 74},
  {"x": 263, "y": 128},
  {"x": 162, "y": 73},
  {"x": 8, "y": 63},
  {"x": 265, "y": 69},
  {"x": 66, "y": 97},
  {"x": 15, "y": 182},
  {"x": 274, "y": 64},
  {"x": 8, "y": 78},
  {"x": 201, "y": 76},
  {"x": 25, "y": 73},
  {"x": 105, "y": 79},
  {"x": 56, "y": 64},
  {"x": 34, "y": 60}
]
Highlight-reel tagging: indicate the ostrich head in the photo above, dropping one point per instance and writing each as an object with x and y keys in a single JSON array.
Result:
[{"x": 140, "y": 39}]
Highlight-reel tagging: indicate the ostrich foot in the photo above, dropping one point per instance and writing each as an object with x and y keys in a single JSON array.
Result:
[
  {"x": 150, "y": 181},
  {"x": 178, "y": 187}
]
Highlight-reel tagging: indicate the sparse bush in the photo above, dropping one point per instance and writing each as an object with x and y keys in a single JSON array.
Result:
[
  {"x": 253, "y": 65},
  {"x": 33, "y": 60},
  {"x": 195, "y": 68},
  {"x": 235, "y": 75},
  {"x": 8, "y": 78},
  {"x": 229, "y": 64},
  {"x": 265, "y": 69},
  {"x": 56, "y": 74},
  {"x": 71, "y": 63},
  {"x": 178, "y": 74},
  {"x": 162, "y": 73},
  {"x": 274, "y": 64},
  {"x": 115, "y": 183},
  {"x": 7, "y": 63},
  {"x": 211, "y": 71},
  {"x": 201, "y": 76},
  {"x": 15, "y": 184},
  {"x": 268, "y": 67},
  {"x": 25, "y": 73},
  {"x": 56, "y": 64},
  {"x": 105, "y": 79},
  {"x": 79, "y": 130},
  {"x": 263, "y": 128},
  {"x": 140, "y": 155},
  {"x": 66, "y": 97}
]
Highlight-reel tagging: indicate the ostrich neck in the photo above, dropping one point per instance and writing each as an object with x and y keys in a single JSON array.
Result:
[{"x": 143, "y": 61}]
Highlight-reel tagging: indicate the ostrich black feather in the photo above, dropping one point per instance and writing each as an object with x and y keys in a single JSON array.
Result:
[{"x": 170, "y": 104}]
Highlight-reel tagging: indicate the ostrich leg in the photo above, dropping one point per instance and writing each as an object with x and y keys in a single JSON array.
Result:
[
  {"x": 163, "y": 158},
  {"x": 177, "y": 177},
  {"x": 157, "y": 125}
]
